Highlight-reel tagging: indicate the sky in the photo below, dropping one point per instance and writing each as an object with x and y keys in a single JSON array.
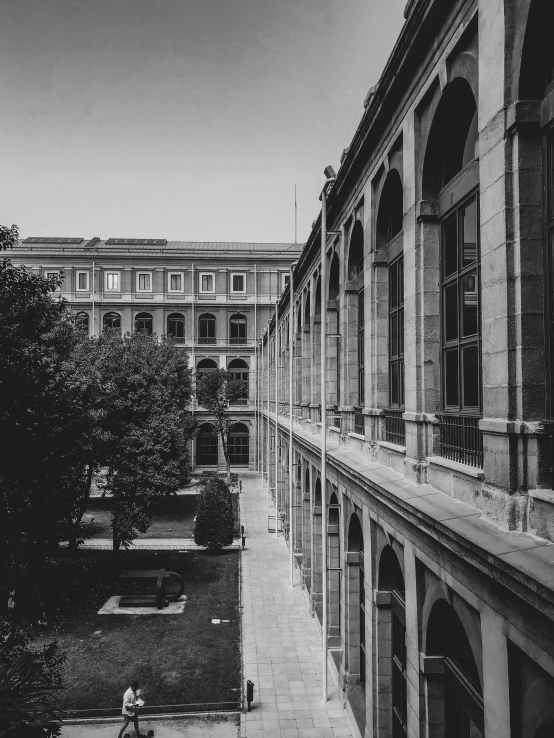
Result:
[{"x": 181, "y": 119}]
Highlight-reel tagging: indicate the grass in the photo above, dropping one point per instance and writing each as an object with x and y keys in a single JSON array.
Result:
[
  {"x": 178, "y": 659},
  {"x": 173, "y": 517}
]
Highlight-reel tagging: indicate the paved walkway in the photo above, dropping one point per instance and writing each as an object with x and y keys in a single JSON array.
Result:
[{"x": 281, "y": 645}]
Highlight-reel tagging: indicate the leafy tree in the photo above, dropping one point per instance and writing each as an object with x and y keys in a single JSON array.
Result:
[
  {"x": 215, "y": 391},
  {"x": 214, "y": 524},
  {"x": 146, "y": 424}
]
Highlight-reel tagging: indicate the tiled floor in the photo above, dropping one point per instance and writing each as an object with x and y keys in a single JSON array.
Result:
[{"x": 281, "y": 646}]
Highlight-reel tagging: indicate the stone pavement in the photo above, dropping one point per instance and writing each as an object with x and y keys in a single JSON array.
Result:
[
  {"x": 281, "y": 645},
  {"x": 183, "y": 727}
]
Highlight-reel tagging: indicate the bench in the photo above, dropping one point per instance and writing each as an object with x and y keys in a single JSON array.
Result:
[{"x": 159, "y": 600}]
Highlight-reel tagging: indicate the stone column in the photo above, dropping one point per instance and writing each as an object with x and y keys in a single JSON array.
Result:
[{"x": 496, "y": 687}]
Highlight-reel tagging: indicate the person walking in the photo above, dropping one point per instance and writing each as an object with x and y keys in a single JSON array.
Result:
[{"x": 129, "y": 711}]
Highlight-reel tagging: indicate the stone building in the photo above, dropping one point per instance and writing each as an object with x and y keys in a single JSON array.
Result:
[
  {"x": 211, "y": 297},
  {"x": 438, "y": 310}
]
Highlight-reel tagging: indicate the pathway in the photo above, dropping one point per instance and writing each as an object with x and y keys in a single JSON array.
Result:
[{"x": 281, "y": 645}]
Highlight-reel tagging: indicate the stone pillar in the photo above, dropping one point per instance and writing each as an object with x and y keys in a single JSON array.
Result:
[
  {"x": 412, "y": 639},
  {"x": 316, "y": 591},
  {"x": 496, "y": 687}
]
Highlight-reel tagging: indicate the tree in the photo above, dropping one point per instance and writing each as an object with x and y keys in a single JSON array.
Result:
[
  {"x": 216, "y": 390},
  {"x": 214, "y": 524},
  {"x": 146, "y": 425}
]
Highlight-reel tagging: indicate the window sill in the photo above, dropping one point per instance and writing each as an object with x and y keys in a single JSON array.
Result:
[
  {"x": 469, "y": 471},
  {"x": 393, "y": 447},
  {"x": 356, "y": 435}
]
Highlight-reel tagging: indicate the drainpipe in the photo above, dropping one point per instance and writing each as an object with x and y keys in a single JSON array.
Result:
[{"x": 276, "y": 414}]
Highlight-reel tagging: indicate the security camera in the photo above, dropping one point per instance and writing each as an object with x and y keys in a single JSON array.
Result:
[{"x": 329, "y": 172}]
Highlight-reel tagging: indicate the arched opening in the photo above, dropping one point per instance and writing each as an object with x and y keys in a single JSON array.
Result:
[
  {"x": 82, "y": 322},
  {"x": 144, "y": 324},
  {"x": 356, "y": 322},
  {"x": 307, "y": 526},
  {"x": 452, "y": 138},
  {"x": 204, "y": 366},
  {"x": 176, "y": 327},
  {"x": 457, "y": 691},
  {"x": 239, "y": 445},
  {"x": 112, "y": 322},
  {"x": 334, "y": 351},
  {"x": 448, "y": 170},
  {"x": 319, "y": 325},
  {"x": 206, "y": 446},
  {"x": 531, "y": 696},
  {"x": 389, "y": 238},
  {"x": 356, "y": 621},
  {"x": 545, "y": 731},
  {"x": 334, "y": 565},
  {"x": 206, "y": 329},
  {"x": 307, "y": 352},
  {"x": 391, "y": 644},
  {"x": 317, "y": 565},
  {"x": 238, "y": 369},
  {"x": 237, "y": 329}
]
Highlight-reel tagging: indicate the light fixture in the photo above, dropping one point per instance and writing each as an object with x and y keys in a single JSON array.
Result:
[{"x": 329, "y": 172}]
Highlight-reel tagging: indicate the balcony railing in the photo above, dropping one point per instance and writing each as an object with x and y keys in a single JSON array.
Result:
[
  {"x": 395, "y": 427},
  {"x": 461, "y": 440},
  {"x": 359, "y": 426}
]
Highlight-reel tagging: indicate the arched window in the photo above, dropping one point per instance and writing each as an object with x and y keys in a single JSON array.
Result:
[
  {"x": 356, "y": 280},
  {"x": 176, "y": 327},
  {"x": 451, "y": 150},
  {"x": 237, "y": 329},
  {"x": 144, "y": 324},
  {"x": 206, "y": 446},
  {"x": 391, "y": 634},
  {"x": 206, "y": 328},
  {"x": 459, "y": 692},
  {"x": 82, "y": 321},
  {"x": 239, "y": 445},
  {"x": 307, "y": 352},
  {"x": 238, "y": 368},
  {"x": 335, "y": 340},
  {"x": 112, "y": 322},
  {"x": 389, "y": 239},
  {"x": 356, "y": 599},
  {"x": 204, "y": 366},
  {"x": 319, "y": 325}
]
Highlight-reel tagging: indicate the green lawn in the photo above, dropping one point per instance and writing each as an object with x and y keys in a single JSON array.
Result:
[
  {"x": 178, "y": 659},
  {"x": 173, "y": 517}
]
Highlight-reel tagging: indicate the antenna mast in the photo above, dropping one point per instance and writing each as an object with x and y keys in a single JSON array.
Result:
[{"x": 295, "y": 217}]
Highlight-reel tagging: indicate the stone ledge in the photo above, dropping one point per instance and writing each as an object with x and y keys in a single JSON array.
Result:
[
  {"x": 356, "y": 435},
  {"x": 468, "y": 471},
  {"x": 512, "y": 427},
  {"x": 401, "y": 450}
]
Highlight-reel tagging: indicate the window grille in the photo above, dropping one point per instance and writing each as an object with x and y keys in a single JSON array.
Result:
[
  {"x": 461, "y": 440},
  {"x": 395, "y": 428},
  {"x": 359, "y": 421}
]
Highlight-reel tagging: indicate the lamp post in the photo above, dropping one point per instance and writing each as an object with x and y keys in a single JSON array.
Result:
[
  {"x": 276, "y": 415},
  {"x": 330, "y": 175},
  {"x": 291, "y": 466}
]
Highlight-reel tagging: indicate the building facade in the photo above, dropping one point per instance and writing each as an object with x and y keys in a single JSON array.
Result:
[
  {"x": 438, "y": 501},
  {"x": 211, "y": 297}
]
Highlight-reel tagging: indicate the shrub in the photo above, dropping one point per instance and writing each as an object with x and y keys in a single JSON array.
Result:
[{"x": 214, "y": 524}]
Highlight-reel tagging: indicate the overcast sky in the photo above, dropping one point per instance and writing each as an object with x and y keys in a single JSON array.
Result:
[{"x": 180, "y": 119}]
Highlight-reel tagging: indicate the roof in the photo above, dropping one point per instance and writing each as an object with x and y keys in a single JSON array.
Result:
[{"x": 187, "y": 249}]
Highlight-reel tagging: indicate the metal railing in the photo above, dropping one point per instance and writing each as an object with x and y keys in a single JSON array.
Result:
[
  {"x": 359, "y": 426},
  {"x": 461, "y": 440},
  {"x": 395, "y": 427}
]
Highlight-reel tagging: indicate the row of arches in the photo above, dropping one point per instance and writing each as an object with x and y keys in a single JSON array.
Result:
[{"x": 175, "y": 325}]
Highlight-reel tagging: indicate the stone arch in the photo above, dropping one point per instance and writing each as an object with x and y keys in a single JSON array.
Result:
[
  {"x": 452, "y": 138},
  {"x": 334, "y": 562},
  {"x": 390, "y": 211},
  {"x": 317, "y": 563},
  {"x": 307, "y": 526},
  {"x": 355, "y": 622},
  {"x": 453, "y": 690}
]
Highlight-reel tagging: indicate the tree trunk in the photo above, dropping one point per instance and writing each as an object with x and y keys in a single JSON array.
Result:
[
  {"x": 225, "y": 450},
  {"x": 116, "y": 544},
  {"x": 82, "y": 509}
]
